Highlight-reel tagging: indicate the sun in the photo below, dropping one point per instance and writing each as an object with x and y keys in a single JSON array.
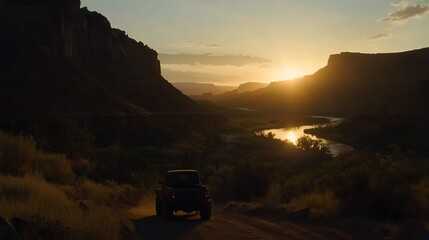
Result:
[{"x": 288, "y": 73}]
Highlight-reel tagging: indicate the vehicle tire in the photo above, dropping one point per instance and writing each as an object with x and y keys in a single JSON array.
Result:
[
  {"x": 206, "y": 212},
  {"x": 158, "y": 207},
  {"x": 167, "y": 213}
]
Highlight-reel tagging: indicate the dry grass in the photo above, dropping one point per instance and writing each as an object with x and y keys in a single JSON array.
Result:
[
  {"x": 30, "y": 197},
  {"x": 321, "y": 204},
  {"x": 420, "y": 194},
  {"x": 19, "y": 156},
  {"x": 110, "y": 193},
  {"x": 273, "y": 196},
  {"x": 41, "y": 187}
]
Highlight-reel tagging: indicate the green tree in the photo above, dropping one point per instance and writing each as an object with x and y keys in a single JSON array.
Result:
[{"x": 306, "y": 143}]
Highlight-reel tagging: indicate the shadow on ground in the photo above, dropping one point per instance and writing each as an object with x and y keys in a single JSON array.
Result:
[{"x": 153, "y": 227}]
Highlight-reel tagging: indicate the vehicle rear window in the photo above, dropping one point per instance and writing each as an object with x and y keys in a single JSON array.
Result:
[{"x": 182, "y": 179}]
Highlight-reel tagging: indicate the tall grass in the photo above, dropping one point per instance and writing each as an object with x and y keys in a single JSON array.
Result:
[
  {"x": 33, "y": 198},
  {"x": 420, "y": 196},
  {"x": 321, "y": 204},
  {"x": 19, "y": 156},
  {"x": 15, "y": 152},
  {"x": 42, "y": 189},
  {"x": 109, "y": 193}
]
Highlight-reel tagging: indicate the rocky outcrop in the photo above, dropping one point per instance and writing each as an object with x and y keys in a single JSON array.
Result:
[{"x": 59, "y": 58}]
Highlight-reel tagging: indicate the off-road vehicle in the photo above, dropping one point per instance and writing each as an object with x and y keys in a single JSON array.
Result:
[{"x": 182, "y": 190}]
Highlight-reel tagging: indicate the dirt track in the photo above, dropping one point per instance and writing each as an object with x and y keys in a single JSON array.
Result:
[{"x": 228, "y": 226}]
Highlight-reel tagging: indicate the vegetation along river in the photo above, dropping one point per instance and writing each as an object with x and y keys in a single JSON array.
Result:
[{"x": 294, "y": 133}]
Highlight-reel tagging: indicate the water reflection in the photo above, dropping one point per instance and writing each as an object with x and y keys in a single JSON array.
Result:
[
  {"x": 291, "y": 134},
  {"x": 294, "y": 133}
]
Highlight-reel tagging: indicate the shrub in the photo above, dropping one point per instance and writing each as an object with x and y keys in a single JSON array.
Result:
[
  {"x": 108, "y": 163},
  {"x": 321, "y": 204},
  {"x": 306, "y": 143},
  {"x": 63, "y": 135},
  {"x": 37, "y": 201},
  {"x": 249, "y": 182},
  {"x": 109, "y": 193},
  {"x": 55, "y": 168},
  {"x": 365, "y": 183},
  {"x": 18, "y": 156},
  {"x": 273, "y": 196},
  {"x": 419, "y": 206},
  {"x": 15, "y": 151},
  {"x": 117, "y": 164}
]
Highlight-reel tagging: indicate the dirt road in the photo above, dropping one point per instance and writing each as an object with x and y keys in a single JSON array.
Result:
[{"x": 228, "y": 226}]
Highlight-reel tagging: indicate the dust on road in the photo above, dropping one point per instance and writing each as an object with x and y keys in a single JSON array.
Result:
[{"x": 225, "y": 225}]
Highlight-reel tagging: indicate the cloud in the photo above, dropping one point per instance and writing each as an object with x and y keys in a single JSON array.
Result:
[
  {"x": 406, "y": 10},
  {"x": 209, "y": 59},
  {"x": 378, "y": 36},
  {"x": 191, "y": 44},
  {"x": 213, "y": 45}
]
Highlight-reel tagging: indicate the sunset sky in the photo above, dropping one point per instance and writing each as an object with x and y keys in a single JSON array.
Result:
[{"x": 228, "y": 42}]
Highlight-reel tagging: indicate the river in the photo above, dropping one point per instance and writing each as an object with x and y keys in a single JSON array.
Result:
[{"x": 294, "y": 133}]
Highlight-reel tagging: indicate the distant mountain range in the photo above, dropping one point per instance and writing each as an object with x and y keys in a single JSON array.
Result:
[
  {"x": 190, "y": 88},
  {"x": 57, "y": 58},
  {"x": 209, "y": 89},
  {"x": 351, "y": 84},
  {"x": 250, "y": 86}
]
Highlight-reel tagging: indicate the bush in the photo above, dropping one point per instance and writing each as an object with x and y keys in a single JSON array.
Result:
[
  {"x": 109, "y": 194},
  {"x": 63, "y": 135},
  {"x": 42, "y": 203},
  {"x": 367, "y": 184},
  {"x": 117, "y": 164},
  {"x": 18, "y": 156},
  {"x": 321, "y": 204},
  {"x": 419, "y": 206},
  {"x": 15, "y": 152},
  {"x": 55, "y": 168},
  {"x": 249, "y": 182},
  {"x": 306, "y": 143}
]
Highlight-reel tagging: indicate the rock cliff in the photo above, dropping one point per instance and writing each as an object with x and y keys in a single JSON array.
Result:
[
  {"x": 59, "y": 58},
  {"x": 351, "y": 84}
]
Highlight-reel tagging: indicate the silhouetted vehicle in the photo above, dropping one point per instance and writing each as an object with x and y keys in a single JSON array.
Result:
[{"x": 182, "y": 190}]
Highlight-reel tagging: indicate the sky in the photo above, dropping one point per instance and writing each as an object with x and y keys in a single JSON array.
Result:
[{"x": 228, "y": 42}]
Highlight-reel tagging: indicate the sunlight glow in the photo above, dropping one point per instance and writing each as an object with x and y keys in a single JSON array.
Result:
[
  {"x": 289, "y": 73},
  {"x": 291, "y": 136}
]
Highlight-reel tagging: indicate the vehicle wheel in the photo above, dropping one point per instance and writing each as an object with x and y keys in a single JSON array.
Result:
[
  {"x": 167, "y": 213},
  {"x": 206, "y": 212},
  {"x": 158, "y": 207}
]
